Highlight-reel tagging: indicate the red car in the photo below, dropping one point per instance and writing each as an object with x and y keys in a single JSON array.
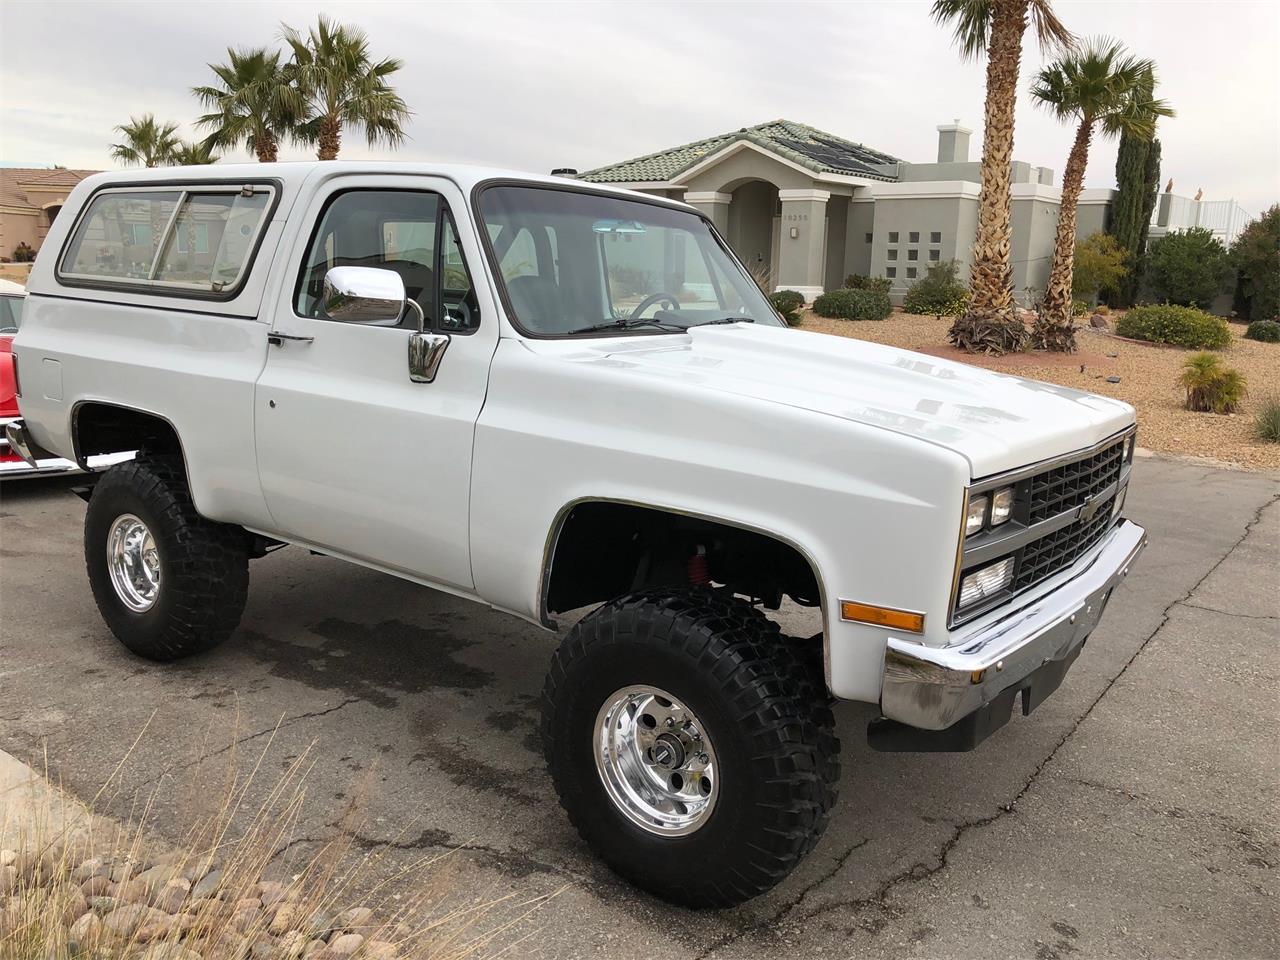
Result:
[{"x": 12, "y": 297}]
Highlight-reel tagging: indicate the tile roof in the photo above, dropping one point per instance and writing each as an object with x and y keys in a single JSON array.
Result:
[
  {"x": 819, "y": 151},
  {"x": 14, "y": 180}
]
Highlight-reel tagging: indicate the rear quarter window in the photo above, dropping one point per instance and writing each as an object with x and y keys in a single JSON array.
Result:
[{"x": 178, "y": 241}]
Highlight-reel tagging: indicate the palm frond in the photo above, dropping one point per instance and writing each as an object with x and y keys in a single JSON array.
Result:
[{"x": 970, "y": 21}]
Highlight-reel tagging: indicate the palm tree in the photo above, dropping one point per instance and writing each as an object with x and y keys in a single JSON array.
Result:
[
  {"x": 145, "y": 142},
  {"x": 995, "y": 27},
  {"x": 254, "y": 103},
  {"x": 194, "y": 153},
  {"x": 1099, "y": 87},
  {"x": 342, "y": 85}
]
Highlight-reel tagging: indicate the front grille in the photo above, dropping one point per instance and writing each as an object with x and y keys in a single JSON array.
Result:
[
  {"x": 1067, "y": 487},
  {"x": 1044, "y": 557}
]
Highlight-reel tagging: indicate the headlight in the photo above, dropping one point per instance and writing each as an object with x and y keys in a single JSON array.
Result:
[
  {"x": 976, "y": 518},
  {"x": 1001, "y": 506},
  {"x": 986, "y": 582}
]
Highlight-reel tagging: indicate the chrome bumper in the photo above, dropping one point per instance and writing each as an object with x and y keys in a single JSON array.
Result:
[
  {"x": 932, "y": 688},
  {"x": 36, "y": 462}
]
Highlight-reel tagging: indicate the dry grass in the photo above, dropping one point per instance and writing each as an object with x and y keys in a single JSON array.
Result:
[
  {"x": 1148, "y": 380},
  {"x": 76, "y": 884}
]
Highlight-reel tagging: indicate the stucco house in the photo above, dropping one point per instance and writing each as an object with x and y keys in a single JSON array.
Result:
[
  {"x": 805, "y": 208},
  {"x": 30, "y": 198}
]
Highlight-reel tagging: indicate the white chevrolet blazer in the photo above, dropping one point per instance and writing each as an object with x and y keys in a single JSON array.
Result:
[{"x": 546, "y": 396}]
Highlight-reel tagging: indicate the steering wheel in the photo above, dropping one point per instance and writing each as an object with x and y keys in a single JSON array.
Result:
[{"x": 652, "y": 299}]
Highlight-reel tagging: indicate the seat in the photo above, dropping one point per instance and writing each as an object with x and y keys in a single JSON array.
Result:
[{"x": 538, "y": 303}]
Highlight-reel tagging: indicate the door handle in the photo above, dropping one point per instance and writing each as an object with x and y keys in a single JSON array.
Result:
[{"x": 278, "y": 339}]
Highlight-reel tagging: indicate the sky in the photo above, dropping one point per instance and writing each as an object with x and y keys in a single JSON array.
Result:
[{"x": 533, "y": 85}]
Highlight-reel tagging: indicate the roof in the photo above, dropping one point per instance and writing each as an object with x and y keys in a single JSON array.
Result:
[
  {"x": 815, "y": 149},
  {"x": 16, "y": 181}
]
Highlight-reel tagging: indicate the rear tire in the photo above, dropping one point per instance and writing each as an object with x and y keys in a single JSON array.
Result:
[
  {"x": 725, "y": 673},
  {"x": 168, "y": 582}
]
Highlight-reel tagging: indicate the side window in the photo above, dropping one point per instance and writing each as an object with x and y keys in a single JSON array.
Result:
[
  {"x": 407, "y": 231},
  {"x": 388, "y": 229},
  {"x": 170, "y": 241}
]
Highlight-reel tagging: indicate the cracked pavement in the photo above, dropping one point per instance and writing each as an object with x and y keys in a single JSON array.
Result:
[{"x": 1134, "y": 814}]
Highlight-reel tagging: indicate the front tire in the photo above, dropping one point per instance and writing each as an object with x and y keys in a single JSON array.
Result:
[
  {"x": 691, "y": 744},
  {"x": 168, "y": 582}
]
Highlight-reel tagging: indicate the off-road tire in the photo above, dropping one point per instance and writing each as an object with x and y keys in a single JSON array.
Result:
[
  {"x": 204, "y": 578},
  {"x": 763, "y": 700}
]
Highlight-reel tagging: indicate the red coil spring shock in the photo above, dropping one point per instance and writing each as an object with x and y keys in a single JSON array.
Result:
[{"x": 699, "y": 575}]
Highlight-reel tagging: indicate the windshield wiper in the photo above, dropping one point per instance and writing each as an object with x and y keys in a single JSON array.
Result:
[
  {"x": 629, "y": 323},
  {"x": 709, "y": 323}
]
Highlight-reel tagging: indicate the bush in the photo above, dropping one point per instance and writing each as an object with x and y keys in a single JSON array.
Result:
[
  {"x": 788, "y": 303},
  {"x": 1079, "y": 308},
  {"x": 1189, "y": 267},
  {"x": 853, "y": 305},
  {"x": 874, "y": 284},
  {"x": 23, "y": 253},
  {"x": 1267, "y": 423},
  {"x": 938, "y": 292},
  {"x": 1099, "y": 265},
  {"x": 1180, "y": 326},
  {"x": 1258, "y": 267},
  {"x": 1264, "y": 331},
  {"x": 1211, "y": 387}
]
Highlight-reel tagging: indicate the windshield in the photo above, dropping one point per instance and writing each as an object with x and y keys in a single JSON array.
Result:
[
  {"x": 581, "y": 263},
  {"x": 10, "y": 314}
]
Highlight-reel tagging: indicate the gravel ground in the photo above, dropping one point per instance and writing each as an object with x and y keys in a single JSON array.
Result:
[{"x": 1148, "y": 380}]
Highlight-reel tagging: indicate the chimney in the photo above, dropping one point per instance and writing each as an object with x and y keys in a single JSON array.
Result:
[{"x": 953, "y": 143}]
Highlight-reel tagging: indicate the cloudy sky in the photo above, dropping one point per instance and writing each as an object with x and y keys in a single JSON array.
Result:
[{"x": 538, "y": 85}]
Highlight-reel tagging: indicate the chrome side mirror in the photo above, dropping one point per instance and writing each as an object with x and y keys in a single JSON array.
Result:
[{"x": 363, "y": 295}]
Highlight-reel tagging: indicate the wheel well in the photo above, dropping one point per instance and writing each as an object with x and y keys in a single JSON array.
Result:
[
  {"x": 105, "y": 428},
  {"x": 604, "y": 549}
]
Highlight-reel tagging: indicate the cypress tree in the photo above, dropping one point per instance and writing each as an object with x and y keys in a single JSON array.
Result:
[{"x": 1150, "y": 193}]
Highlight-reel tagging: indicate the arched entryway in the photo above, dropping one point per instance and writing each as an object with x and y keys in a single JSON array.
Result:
[{"x": 753, "y": 227}]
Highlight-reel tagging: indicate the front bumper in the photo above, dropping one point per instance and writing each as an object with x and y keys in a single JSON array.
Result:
[
  {"x": 933, "y": 689},
  {"x": 19, "y": 457}
]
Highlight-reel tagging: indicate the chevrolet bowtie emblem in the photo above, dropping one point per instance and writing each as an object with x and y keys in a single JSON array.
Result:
[{"x": 1090, "y": 507}]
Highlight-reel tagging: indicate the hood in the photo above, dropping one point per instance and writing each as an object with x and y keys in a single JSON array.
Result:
[{"x": 996, "y": 421}]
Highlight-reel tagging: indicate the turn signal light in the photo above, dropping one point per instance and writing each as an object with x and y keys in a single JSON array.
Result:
[{"x": 882, "y": 616}]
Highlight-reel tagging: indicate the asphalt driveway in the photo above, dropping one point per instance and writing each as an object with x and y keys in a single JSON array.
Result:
[{"x": 1134, "y": 814}]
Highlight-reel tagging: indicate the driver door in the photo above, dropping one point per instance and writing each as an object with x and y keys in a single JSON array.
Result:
[{"x": 355, "y": 458}]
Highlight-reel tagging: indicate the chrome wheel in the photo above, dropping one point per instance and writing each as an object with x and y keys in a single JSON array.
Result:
[
  {"x": 134, "y": 563},
  {"x": 656, "y": 761}
]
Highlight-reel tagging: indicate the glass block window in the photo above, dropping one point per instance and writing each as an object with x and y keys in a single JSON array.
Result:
[
  {"x": 935, "y": 237},
  {"x": 893, "y": 236},
  {"x": 913, "y": 236},
  {"x": 890, "y": 272},
  {"x": 913, "y": 254},
  {"x": 935, "y": 256},
  {"x": 911, "y": 273},
  {"x": 892, "y": 254}
]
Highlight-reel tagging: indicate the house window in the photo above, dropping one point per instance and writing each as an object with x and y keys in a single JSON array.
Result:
[
  {"x": 891, "y": 254},
  {"x": 935, "y": 237},
  {"x": 911, "y": 273},
  {"x": 935, "y": 256},
  {"x": 913, "y": 236},
  {"x": 890, "y": 272},
  {"x": 913, "y": 254},
  {"x": 868, "y": 238},
  {"x": 893, "y": 237}
]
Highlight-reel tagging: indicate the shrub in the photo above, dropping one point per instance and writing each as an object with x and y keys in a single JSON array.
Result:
[
  {"x": 1211, "y": 387},
  {"x": 1079, "y": 308},
  {"x": 874, "y": 284},
  {"x": 1181, "y": 326},
  {"x": 938, "y": 292},
  {"x": 23, "y": 253},
  {"x": 1099, "y": 265},
  {"x": 853, "y": 305},
  {"x": 1189, "y": 267},
  {"x": 1265, "y": 331},
  {"x": 788, "y": 303},
  {"x": 1267, "y": 424},
  {"x": 1256, "y": 254}
]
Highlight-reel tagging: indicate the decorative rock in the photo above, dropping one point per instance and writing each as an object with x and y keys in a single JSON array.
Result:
[
  {"x": 247, "y": 914},
  {"x": 356, "y": 920},
  {"x": 168, "y": 951},
  {"x": 314, "y": 949},
  {"x": 156, "y": 878},
  {"x": 1099, "y": 322},
  {"x": 172, "y": 895},
  {"x": 345, "y": 945},
  {"x": 271, "y": 893},
  {"x": 1113, "y": 379},
  {"x": 207, "y": 886},
  {"x": 263, "y": 950},
  {"x": 131, "y": 891},
  {"x": 103, "y": 905},
  {"x": 286, "y": 918},
  {"x": 98, "y": 886},
  {"x": 124, "y": 869},
  {"x": 8, "y": 879},
  {"x": 84, "y": 932},
  {"x": 208, "y": 909},
  {"x": 126, "y": 920},
  {"x": 320, "y": 925},
  {"x": 379, "y": 950},
  {"x": 7, "y": 857},
  {"x": 292, "y": 944},
  {"x": 89, "y": 868},
  {"x": 156, "y": 930}
]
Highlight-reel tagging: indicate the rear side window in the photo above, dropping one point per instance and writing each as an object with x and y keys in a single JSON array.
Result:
[{"x": 195, "y": 241}]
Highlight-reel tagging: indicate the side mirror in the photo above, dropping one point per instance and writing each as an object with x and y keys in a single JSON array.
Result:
[{"x": 363, "y": 295}]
